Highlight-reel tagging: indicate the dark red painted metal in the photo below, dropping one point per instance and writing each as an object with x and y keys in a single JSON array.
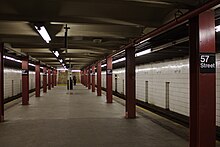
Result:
[
  {"x": 89, "y": 80},
  {"x": 109, "y": 80},
  {"x": 130, "y": 83},
  {"x": 81, "y": 78},
  {"x": 25, "y": 81},
  {"x": 99, "y": 69},
  {"x": 45, "y": 79},
  {"x": 93, "y": 78},
  {"x": 55, "y": 77},
  {"x": 52, "y": 78},
  {"x": 49, "y": 79},
  {"x": 202, "y": 85},
  {"x": 37, "y": 79},
  {"x": 85, "y": 77},
  {"x": 1, "y": 83}
]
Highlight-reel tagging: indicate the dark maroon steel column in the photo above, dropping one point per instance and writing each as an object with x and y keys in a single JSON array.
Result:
[
  {"x": 25, "y": 81},
  {"x": 1, "y": 83},
  {"x": 93, "y": 78},
  {"x": 81, "y": 75},
  {"x": 55, "y": 77},
  {"x": 99, "y": 69},
  {"x": 89, "y": 81},
  {"x": 52, "y": 78},
  {"x": 49, "y": 79},
  {"x": 45, "y": 79},
  {"x": 130, "y": 83},
  {"x": 202, "y": 82},
  {"x": 109, "y": 80},
  {"x": 85, "y": 77},
  {"x": 37, "y": 79}
]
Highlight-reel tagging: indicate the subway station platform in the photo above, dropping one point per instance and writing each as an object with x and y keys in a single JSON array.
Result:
[{"x": 58, "y": 119}]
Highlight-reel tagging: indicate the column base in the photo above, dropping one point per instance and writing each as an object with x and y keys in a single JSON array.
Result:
[{"x": 1, "y": 118}]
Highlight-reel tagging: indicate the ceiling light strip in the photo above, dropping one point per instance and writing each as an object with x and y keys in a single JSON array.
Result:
[{"x": 43, "y": 32}]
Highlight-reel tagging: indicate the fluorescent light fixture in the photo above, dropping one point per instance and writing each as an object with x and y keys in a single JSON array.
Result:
[
  {"x": 119, "y": 52},
  {"x": 143, "y": 53},
  {"x": 103, "y": 65},
  {"x": 61, "y": 69},
  {"x": 31, "y": 64},
  {"x": 56, "y": 53},
  {"x": 12, "y": 59},
  {"x": 119, "y": 60},
  {"x": 145, "y": 40},
  {"x": 75, "y": 70},
  {"x": 217, "y": 28},
  {"x": 44, "y": 34}
]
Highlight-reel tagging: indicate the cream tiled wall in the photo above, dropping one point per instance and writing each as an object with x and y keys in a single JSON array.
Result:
[
  {"x": 176, "y": 72},
  {"x": 13, "y": 83}
]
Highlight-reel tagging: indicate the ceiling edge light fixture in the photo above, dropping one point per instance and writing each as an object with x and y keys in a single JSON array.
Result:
[
  {"x": 143, "y": 53},
  {"x": 12, "y": 59},
  {"x": 119, "y": 60},
  {"x": 217, "y": 28},
  {"x": 104, "y": 65},
  {"x": 43, "y": 32},
  {"x": 143, "y": 41},
  {"x": 74, "y": 70}
]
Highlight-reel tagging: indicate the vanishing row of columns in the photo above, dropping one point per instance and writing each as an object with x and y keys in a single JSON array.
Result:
[
  {"x": 130, "y": 80},
  {"x": 202, "y": 83},
  {"x": 51, "y": 74}
]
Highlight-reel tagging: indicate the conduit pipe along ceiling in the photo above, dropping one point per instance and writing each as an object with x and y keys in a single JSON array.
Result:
[{"x": 43, "y": 32}]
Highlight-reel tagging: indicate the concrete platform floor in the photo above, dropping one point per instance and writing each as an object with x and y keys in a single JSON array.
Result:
[{"x": 57, "y": 119}]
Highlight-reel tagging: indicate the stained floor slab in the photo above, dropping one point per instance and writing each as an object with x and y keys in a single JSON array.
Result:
[{"x": 82, "y": 119}]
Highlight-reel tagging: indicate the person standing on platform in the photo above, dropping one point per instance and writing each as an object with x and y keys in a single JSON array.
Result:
[{"x": 74, "y": 80}]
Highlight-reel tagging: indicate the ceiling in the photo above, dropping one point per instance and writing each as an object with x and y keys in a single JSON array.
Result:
[{"x": 97, "y": 28}]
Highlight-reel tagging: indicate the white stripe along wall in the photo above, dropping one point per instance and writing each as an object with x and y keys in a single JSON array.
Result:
[{"x": 176, "y": 72}]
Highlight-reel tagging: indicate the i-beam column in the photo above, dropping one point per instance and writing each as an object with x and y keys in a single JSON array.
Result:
[
  {"x": 55, "y": 77},
  {"x": 1, "y": 83},
  {"x": 45, "y": 79},
  {"x": 89, "y": 83},
  {"x": 85, "y": 77},
  {"x": 81, "y": 77},
  {"x": 25, "y": 81},
  {"x": 99, "y": 69},
  {"x": 93, "y": 78},
  {"x": 49, "y": 79},
  {"x": 202, "y": 80},
  {"x": 52, "y": 78},
  {"x": 130, "y": 83},
  {"x": 109, "y": 80},
  {"x": 37, "y": 79}
]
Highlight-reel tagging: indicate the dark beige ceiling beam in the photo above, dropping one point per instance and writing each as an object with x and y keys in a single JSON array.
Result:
[
  {"x": 39, "y": 50},
  {"x": 48, "y": 55},
  {"x": 179, "y": 3},
  {"x": 93, "y": 46},
  {"x": 74, "y": 61}
]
